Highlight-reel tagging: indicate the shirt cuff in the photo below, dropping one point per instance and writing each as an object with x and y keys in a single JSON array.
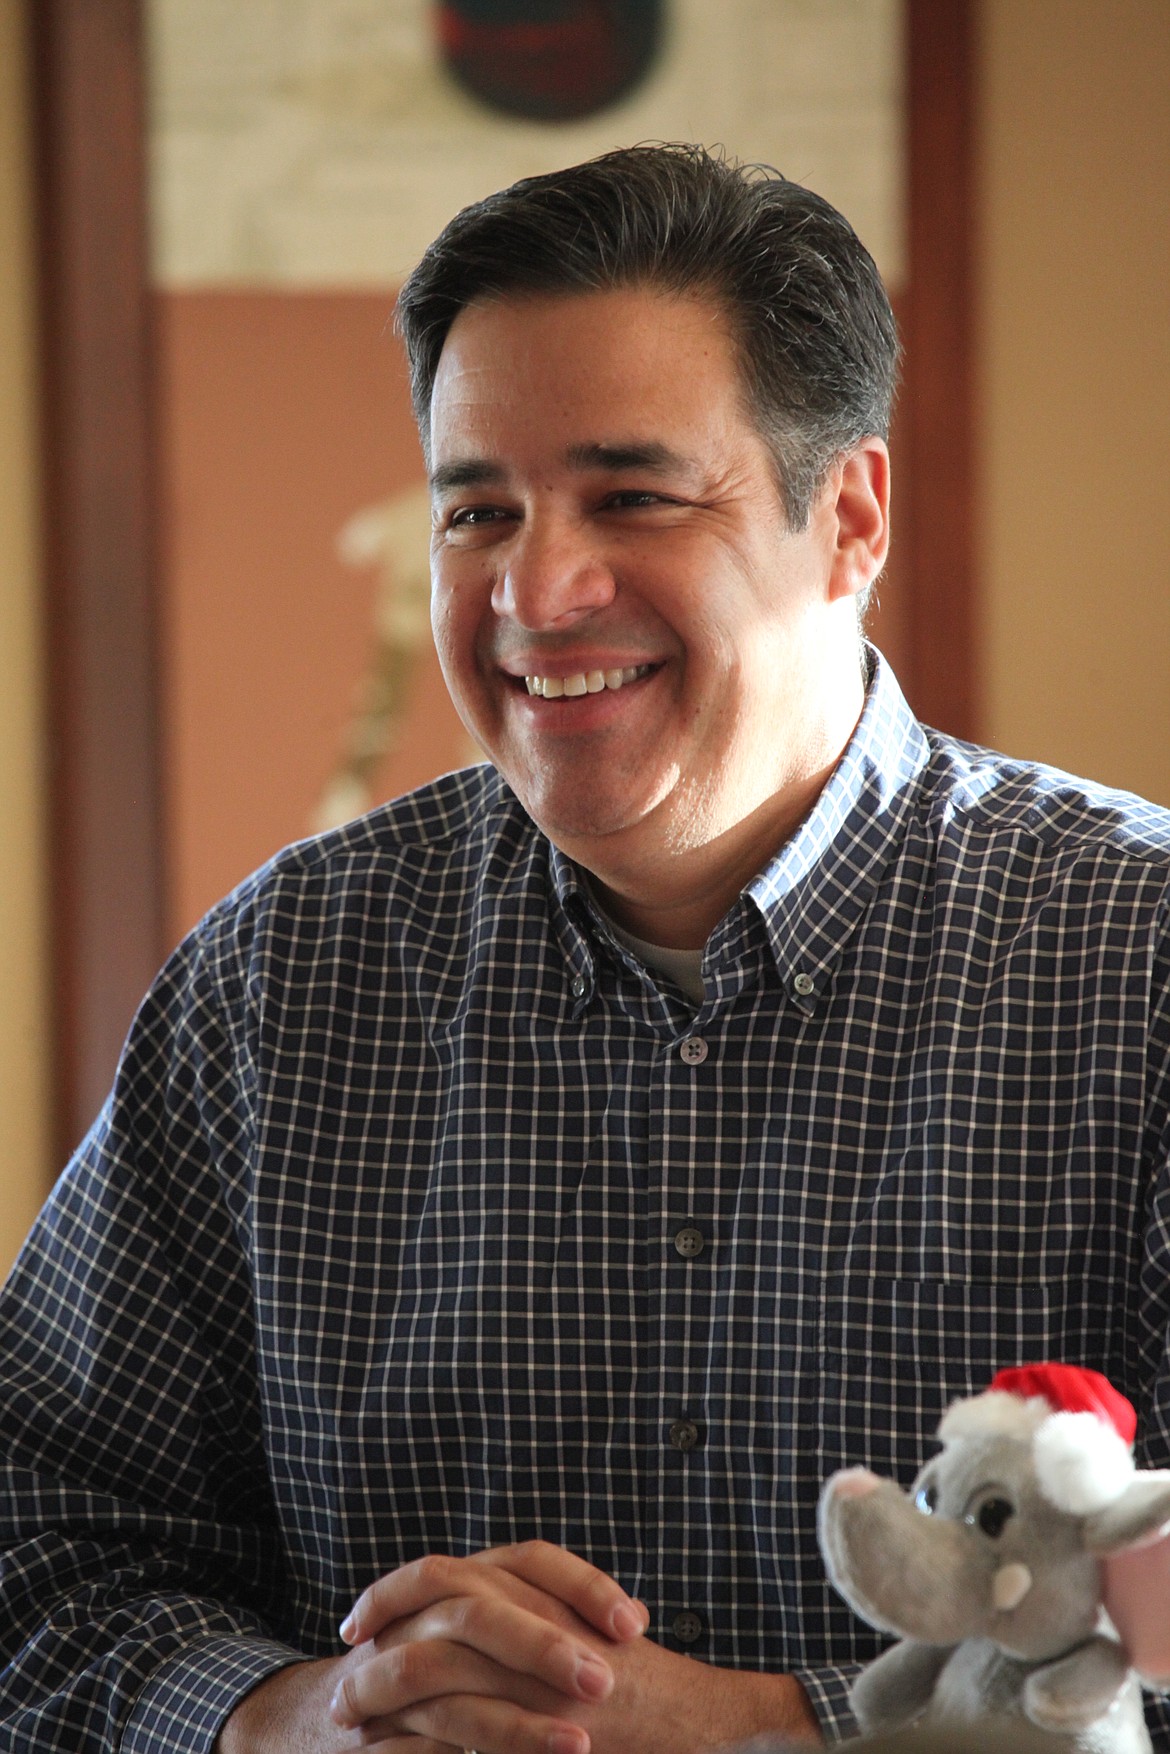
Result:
[
  {"x": 184, "y": 1705},
  {"x": 828, "y": 1693}
]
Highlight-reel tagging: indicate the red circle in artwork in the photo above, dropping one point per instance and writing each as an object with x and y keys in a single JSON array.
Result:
[{"x": 549, "y": 60}]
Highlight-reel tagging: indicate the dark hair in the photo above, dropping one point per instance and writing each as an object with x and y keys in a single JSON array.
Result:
[{"x": 817, "y": 345}]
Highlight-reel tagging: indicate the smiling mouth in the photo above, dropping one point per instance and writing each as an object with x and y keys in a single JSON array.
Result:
[{"x": 584, "y": 682}]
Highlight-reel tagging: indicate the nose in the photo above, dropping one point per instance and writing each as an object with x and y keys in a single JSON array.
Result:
[{"x": 552, "y": 575}]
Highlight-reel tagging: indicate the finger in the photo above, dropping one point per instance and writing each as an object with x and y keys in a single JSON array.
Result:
[
  {"x": 515, "y": 1571},
  {"x": 592, "y": 1594},
  {"x": 519, "y": 1642},
  {"x": 493, "y": 1726},
  {"x": 399, "y": 1594},
  {"x": 470, "y": 1645},
  {"x": 495, "y": 1729},
  {"x": 389, "y": 1741}
]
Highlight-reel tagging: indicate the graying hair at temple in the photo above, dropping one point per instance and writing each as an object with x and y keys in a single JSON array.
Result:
[{"x": 810, "y": 319}]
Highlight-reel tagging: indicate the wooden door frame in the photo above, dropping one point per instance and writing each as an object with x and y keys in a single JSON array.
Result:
[
  {"x": 101, "y": 504},
  {"x": 100, "y": 508},
  {"x": 936, "y": 522}
]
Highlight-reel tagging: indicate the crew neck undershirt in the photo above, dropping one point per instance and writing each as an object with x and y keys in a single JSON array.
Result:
[{"x": 683, "y": 967}]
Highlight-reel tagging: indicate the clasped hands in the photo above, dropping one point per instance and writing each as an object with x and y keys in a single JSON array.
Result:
[
  {"x": 503, "y": 1651},
  {"x": 532, "y": 1650}
]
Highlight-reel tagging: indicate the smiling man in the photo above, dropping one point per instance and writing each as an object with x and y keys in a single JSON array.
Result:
[{"x": 514, "y": 1204}]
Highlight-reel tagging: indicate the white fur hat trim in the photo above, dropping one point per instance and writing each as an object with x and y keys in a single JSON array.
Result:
[
  {"x": 1082, "y": 1464},
  {"x": 995, "y": 1413}
]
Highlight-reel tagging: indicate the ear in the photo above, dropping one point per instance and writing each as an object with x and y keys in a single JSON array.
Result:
[
  {"x": 859, "y": 487},
  {"x": 1140, "y": 1514}
]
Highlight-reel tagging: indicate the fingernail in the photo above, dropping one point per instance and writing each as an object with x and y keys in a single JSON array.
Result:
[
  {"x": 338, "y": 1712},
  {"x": 594, "y": 1678},
  {"x": 628, "y": 1621},
  {"x": 567, "y": 1742},
  {"x": 347, "y": 1629}
]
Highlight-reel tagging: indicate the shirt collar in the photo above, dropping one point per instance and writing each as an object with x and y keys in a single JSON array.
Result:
[{"x": 812, "y": 895}]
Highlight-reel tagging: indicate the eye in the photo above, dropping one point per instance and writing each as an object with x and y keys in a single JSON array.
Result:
[
  {"x": 990, "y": 1513},
  {"x": 635, "y": 498},
  {"x": 926, "y": 1498}
]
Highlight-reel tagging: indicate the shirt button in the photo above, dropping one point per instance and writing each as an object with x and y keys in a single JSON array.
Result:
[
  {"x": 805, "y": 985},
  {"x": 685, "y": 1435},
  {"x": 579, "y": 986},
  {"x": 694, "y": 1050},
  {"x": 687, "y": 1628},
  {"x": 689, "y": 1242}
]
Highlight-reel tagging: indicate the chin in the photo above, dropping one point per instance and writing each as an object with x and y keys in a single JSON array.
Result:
[{"x": 572, "y": 823}]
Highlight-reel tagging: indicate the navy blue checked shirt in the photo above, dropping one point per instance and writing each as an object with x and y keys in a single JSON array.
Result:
[{"x": 422, "y": 1217}]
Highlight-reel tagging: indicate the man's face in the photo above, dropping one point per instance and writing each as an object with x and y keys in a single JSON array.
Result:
[{"x": 625, "y": 621}]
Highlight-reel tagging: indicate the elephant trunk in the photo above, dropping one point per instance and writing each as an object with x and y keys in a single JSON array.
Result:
[{"x": 903, "y": 1572}]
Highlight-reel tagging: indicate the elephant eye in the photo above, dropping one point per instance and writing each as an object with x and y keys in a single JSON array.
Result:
[
  {"x": 926, "y": 1499},
  {"x": 990, "y": 1514}
]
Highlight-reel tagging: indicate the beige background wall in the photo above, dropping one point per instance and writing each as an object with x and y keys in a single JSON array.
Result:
[
  {"x": 24, "y": 1168},
  {"x": 1075, "y": 367}
]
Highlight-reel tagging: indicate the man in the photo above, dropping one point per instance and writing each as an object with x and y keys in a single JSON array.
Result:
[{"x": 514, "y": 1204}]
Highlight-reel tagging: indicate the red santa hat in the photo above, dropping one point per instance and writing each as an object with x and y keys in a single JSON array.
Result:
[{"x": 1082, "y": 1430}]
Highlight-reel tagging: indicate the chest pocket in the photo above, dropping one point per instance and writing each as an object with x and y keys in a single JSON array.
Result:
[{"x": 898, "y": 1351}]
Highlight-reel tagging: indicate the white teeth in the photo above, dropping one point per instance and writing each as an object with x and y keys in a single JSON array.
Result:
[{"x": 583, "y": 682}]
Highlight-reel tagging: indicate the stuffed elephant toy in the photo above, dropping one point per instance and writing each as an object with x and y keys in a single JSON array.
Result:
[{"x": 1014, "y": 1568}]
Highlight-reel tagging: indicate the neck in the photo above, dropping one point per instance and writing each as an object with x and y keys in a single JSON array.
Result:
[
  {"x": 672, "y": 876},
  {"x": 676, "y": 900}
]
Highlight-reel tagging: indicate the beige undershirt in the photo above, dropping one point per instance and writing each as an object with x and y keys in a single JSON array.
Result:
[{"x": 683, "y": 967}]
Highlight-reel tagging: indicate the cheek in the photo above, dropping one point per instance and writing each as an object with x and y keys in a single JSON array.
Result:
[
  {"x": 456, "y": 626},
  {"x": 453, "y": 614}
]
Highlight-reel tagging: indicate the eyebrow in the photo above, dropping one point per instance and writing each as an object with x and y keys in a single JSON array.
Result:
[
  {"x": 658, "y": 458},
  {"x": 650, "y": 455},
  {"x": 466, "y": 472}
]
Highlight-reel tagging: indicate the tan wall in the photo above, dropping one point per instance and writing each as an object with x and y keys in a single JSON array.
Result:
[
  {"x": 23, "y": 1132},
  {"x": 1075, "y": 98}
]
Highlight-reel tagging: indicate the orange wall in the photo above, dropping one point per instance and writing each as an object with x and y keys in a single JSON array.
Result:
[{"x": 284, "y": 415}]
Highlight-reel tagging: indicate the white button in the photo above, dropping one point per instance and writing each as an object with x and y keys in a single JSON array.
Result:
[
  {"x": 694, "y": 1050},
  {"x": 805, "y": 985},
  {"x": 579, "y": 985}
]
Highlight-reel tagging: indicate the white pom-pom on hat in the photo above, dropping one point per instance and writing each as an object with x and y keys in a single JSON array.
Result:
[{"x": 1082, "y": 1464}]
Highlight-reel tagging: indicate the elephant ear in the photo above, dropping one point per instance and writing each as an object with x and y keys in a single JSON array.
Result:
[
  {"x": 1133, "y": 1537},
  {"x": 1138, "y": 1515}
]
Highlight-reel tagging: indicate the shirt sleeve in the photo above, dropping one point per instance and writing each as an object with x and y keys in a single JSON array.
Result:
[
  {"x": 828, "y": 1692},
  {"x": 1152, "y": 1339},
  {"x": 142, "y": 1580}
]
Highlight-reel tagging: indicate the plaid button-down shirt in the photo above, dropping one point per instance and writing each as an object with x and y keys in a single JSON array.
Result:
[{"x": 423, "y": 1218}]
